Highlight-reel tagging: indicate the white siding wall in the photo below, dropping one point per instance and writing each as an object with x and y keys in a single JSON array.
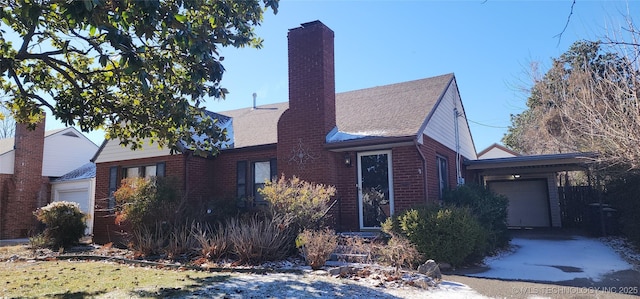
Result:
[
  {"x": 496, "y": 153},
  {"x": 6, "y": 162},
  {"x": 441, "y": 126},
  {"x": 80, "y": 191},
  {"x": 113, "y": 151},
  {"x": 64, "y": 153}
]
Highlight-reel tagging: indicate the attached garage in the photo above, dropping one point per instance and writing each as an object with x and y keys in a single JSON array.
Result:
[
  {"x": 528, "y": 202},
  {"x": 530, "y": 184}
]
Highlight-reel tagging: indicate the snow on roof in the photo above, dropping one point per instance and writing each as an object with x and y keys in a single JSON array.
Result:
[
  {"x": 85, "y": 171},
  {"x": 336, "y": 136}
]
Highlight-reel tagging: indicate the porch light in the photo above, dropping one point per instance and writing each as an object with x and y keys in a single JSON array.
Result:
[
  {"x": 516, "y": 176},
  {"x": 347, "y": 160}
]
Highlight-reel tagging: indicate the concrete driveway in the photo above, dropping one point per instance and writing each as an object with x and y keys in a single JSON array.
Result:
[{"x": 551, "y": 264}]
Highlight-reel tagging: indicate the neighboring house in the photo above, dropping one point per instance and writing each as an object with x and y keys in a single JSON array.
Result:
[
  {"x": 78, "y": 186},
  {"x": 496, "y": 151},
  {"x": 27, "y": 164},
  {"x": 384, "y": 148}
]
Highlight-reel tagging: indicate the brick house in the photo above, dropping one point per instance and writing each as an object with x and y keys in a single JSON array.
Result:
[
  {"x": 384, "y": 148},
  {"x": 28, "y": 162}
]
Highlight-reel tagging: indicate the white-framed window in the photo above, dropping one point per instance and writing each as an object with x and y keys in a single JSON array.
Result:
[
  {"x": 262, "y": 171},
  {"x": 144, "y": 171}
]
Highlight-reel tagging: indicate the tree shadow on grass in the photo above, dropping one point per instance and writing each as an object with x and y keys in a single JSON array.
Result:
[{"x": 271, "y": 285}]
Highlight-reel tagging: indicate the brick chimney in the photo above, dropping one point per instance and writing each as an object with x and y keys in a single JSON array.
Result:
[
  {"x": 29, "y": 186},
  {"x": 302, "y": 129}
]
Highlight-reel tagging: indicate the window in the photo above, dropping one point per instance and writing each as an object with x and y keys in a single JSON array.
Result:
[
  {"x": 146, "y": 171},
  {"x": 262, "y": 171},
  {"x": 113, "y": 185},
  {"x": 442, "y": 175}
]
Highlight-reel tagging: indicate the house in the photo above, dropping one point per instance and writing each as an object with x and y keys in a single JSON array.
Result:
[
  {"x": 28, "y": 163},
  {"x": 385, "y": 148}
]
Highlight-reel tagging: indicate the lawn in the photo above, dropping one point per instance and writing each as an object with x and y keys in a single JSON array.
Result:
[{"x": 81, "y": 279}]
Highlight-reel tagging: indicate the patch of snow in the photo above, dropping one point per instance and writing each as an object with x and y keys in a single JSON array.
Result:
[
  {"x": 336, "y": 135},
  {"x": 85, "y": 171},
  {"x": 310, "y": 285},
  {"x": 555, "y": 260},
  {"x": 623, "y": 247}
]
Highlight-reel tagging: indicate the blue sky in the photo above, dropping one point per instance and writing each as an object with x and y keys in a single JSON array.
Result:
[{"x": 489, "y": 45}]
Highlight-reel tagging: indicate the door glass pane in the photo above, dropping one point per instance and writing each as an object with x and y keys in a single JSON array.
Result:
[{"x": 374, "y": 189}]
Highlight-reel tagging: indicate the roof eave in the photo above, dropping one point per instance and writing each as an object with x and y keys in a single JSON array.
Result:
[
  {"x": 370, "y": 143},
  {"x": 529, "y": 161}
]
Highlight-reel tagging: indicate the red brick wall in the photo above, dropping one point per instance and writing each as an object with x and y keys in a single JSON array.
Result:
[
  {"x": 345, "y": 213},
  {"x": 105, "y": 230},
  {"x": 7, "y": 190},
  {"x": 431, "y": 149},
  {"x": 30, "y": 189},
  {"x": 408, "y": 178}
]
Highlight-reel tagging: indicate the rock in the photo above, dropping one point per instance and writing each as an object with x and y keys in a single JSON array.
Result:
[
  {"x": 431, "y": 269},
  {"x": 424, "y": 282},
  {"x": 341, "y": 271},
  {"x": 445, "y": 266}
]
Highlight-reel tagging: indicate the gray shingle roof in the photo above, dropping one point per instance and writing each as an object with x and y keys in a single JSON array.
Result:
[
  {"x": 395, "y": 110},
  {"x": 85, "y": 171},
  {"x": 256, "y": 126}
]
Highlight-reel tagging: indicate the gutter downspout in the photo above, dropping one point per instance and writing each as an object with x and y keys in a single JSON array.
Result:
[{"x": 424, "y": 169}]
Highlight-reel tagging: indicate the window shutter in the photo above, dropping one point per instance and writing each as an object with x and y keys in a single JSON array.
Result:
[
  {"x": 241, "y": 179},
  {"x": 160, "y": 168},
  {"x": 113, "y": 186},
  {"x": 274, "y": 169}
]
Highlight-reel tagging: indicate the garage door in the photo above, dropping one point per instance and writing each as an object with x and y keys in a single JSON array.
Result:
[
  {"x": 82, "y": 198},
  {"x": 528, "y": 202}
]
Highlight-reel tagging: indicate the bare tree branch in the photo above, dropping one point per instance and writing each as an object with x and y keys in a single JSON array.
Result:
[{"x": 559, "y": 35}]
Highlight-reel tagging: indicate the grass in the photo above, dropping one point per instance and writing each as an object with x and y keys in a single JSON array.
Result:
[{"x": 81, "y": 279}]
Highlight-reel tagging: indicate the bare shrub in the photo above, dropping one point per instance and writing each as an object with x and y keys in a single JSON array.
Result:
[
  {"x": 258, "y": 239},
  {"x": 316, "y": 246},
  {"x": 212, "y": 243},
  {"x": 398, "y": 252},
  {"x": 355, "y": 249},
  {"x": 179, "y": 241},
  {"x": 304, "y": 202},
  {"x": 147, "y": 242}
]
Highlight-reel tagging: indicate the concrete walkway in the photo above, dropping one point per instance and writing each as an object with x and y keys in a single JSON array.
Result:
[
  {"x": 11, "y": 242},
  {"x": 553, "y": 264}
]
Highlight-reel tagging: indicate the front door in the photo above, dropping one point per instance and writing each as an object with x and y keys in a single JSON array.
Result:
[{"x": 375, "y": 188}]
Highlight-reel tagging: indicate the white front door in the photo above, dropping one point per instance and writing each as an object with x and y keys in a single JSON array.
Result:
[{"x": 375, "y": 188}]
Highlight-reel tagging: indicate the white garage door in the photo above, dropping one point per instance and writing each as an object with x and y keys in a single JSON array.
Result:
[
  {"x": 528, "y": 202},
  {"x": 82, "y": 198}
]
